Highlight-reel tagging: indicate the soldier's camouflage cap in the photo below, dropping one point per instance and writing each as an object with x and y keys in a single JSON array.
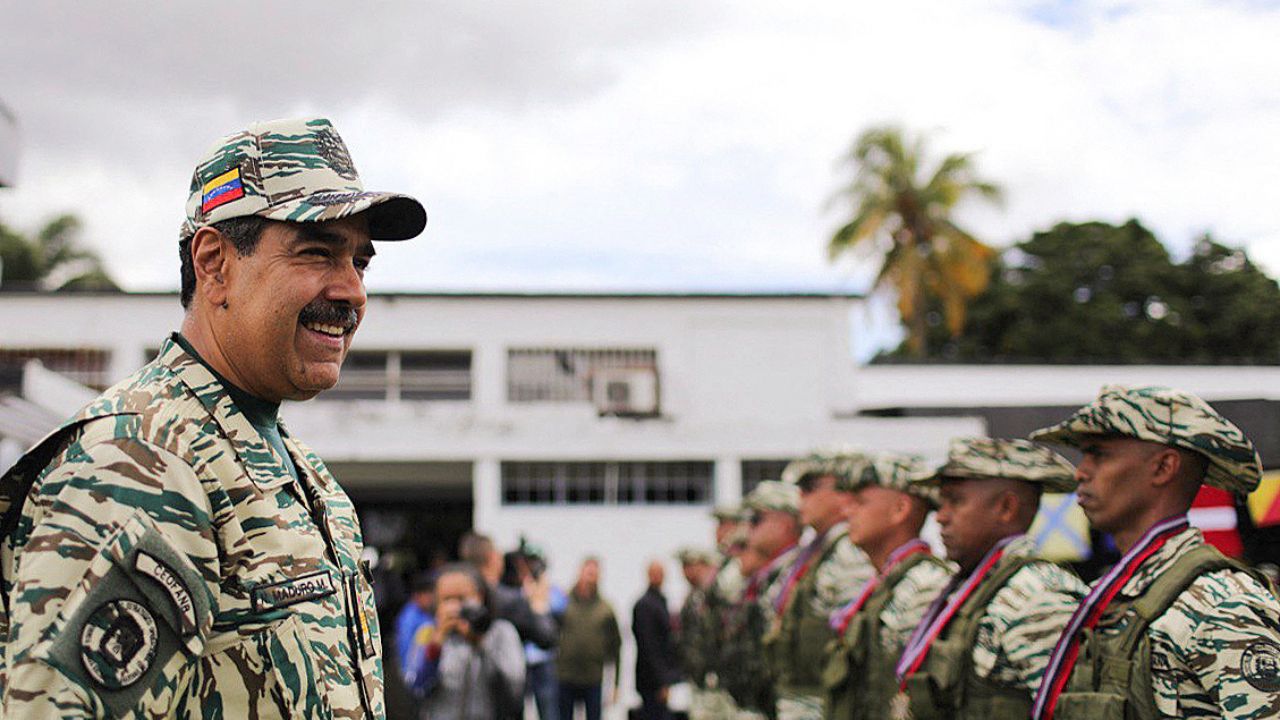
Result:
[
  {"x": 295, "y": 170},
  {"x": 773, "y": 495},
  {"x": 846, "y": 465},
  {"x": 903, "y": 473},
  {"x": 1169, "y": 417},
  {"x": 692, "y": 555},
  {"x": 730, "y": 513},
  {"x": 981, "y": 457}
]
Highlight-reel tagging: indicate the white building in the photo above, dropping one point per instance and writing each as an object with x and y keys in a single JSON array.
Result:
[{"x": 592, "y": 424}]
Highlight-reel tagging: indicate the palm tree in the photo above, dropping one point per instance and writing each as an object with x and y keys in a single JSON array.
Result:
[
  {"x": 52, "y": 260},
  {"x": 904, "y": 212}
]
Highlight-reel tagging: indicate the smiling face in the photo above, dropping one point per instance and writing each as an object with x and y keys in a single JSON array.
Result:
[{"x": 292, "y": 307}]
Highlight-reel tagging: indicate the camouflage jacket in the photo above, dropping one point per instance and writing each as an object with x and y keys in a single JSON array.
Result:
[
  {"x": 1216, "y": 651},
  {"x": 1021, "y": 624},
  {"x": 741, "y": 669},
  {"x": 166, "y": 563},
  {"x": 696, "y": 641}
]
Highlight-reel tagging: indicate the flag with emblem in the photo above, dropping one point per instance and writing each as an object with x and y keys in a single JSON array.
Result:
[{"x": 1061, "y": 530}]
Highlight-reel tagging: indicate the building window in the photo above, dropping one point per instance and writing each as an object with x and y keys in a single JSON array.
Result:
[
  {"x": 87, "y": 366},
  {"x": 753, "y": 471},
  {"x": 607, "y": 483},
  {"x": 404, "y": 375},
  {"x": 566, "y": 374}
]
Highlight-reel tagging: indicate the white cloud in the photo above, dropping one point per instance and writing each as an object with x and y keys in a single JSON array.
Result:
[{"x": 685, "y": 146}]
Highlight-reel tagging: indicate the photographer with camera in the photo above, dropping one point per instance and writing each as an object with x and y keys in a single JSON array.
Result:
[{"x": 474, "y": 668}]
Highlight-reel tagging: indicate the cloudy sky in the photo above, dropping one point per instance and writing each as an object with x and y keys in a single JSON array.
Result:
[{"x": 650, "y": 144}]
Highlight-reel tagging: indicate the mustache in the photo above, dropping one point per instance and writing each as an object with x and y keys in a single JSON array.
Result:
[{"x": 327, "y": 312}]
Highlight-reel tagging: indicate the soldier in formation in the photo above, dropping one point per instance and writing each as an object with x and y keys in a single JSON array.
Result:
[
  {"x": 827, "y": 572},
  {"x": 1173, "y": 630},
  {"x": 885, "y": 516}
]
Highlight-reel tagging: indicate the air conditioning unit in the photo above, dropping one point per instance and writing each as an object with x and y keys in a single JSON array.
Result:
[{"x": 628, "y": 392}]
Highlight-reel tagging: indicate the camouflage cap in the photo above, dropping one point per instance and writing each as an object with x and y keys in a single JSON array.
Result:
[
  {"x": 1169, "y": 417},
  {"x": 982, "y": 457},
  {"x": 846, "y": 465},
  {"x": 295, "y": 170},
  {"x": 690, "y": 555},
  {"x": 903, "y": 473},
  {"x": 729, "y": 513},
  {"x": 773, "y": 495}
]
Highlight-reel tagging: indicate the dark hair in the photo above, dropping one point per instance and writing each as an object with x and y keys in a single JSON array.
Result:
[
  {"x": 469, "y": 571},
  {"x": 243, "y": 232}
]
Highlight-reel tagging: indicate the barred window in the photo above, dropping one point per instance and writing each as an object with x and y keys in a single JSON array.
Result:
[
  {"x": 607, "y": 483},
  {"x": 87, "y": 366},
  {"x": 404, "y": 375},
  {"x": 753, "y": 471},
  {"x": 565, "y": 374}
]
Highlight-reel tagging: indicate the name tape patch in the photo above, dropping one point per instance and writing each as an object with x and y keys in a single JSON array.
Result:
[
  {"x": 295, "y": 590},
  {"x": 173, "y": 585}
]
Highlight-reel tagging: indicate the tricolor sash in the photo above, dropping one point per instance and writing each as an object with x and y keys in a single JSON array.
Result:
[
  {"x": 943, "y": 609},
  {"x": 1065, "y": 652},
  {"x": 840, "y": 618}
]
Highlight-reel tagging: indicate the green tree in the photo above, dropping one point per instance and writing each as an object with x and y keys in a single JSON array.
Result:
[
  {"x": 902, "y": 209},
  {"x": 52, "y": 259},
  {"x": 1102, "y": 293}
]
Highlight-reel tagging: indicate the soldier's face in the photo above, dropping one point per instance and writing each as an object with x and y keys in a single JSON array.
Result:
[
  {"x": 821, "y": 505},
  {"x": 871, "y": 514},
  {"x": 1114, "y": 477},
  {"x": 772, "y": 530},
  {"x": 969, "y": 520},
  {"x": 293, "y": 306}
]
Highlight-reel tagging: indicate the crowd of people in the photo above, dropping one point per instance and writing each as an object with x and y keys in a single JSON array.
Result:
[
  {"x": 478, "y": 636},
  {"x": 821, "y": 599},
  {"x": 826, "y": 603}
]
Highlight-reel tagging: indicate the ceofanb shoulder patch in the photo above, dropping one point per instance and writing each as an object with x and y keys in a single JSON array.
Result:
[
  {"x": 1260, "y": 665},
  {"x": 118, "y": 643}
]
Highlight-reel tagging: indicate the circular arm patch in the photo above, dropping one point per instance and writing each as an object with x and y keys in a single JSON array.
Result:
[{"x": 118, "y": 643}]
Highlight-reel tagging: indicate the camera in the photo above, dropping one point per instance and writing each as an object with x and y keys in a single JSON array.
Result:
[{"x": 477, "y": 616}]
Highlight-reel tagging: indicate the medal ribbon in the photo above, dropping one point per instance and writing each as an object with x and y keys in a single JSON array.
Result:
[
  {"x": 1065, "y": 653},
  {"x": 840, "y": 618},
  {"x": 941, "y": 612},
  {"x": 798, "y": 571}
]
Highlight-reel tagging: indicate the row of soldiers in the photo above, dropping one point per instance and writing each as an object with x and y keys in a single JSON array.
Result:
[{"x": 829, "y": 604}]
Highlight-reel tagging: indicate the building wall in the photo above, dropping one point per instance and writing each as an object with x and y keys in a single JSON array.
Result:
[{"x": 761, "y": 377}]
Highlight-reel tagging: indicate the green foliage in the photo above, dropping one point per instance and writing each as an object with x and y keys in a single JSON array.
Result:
[
  {"x": 51, "y": 260},
  {"x": 1100, "y": 293},
  {"x": 901, "y": 210}
]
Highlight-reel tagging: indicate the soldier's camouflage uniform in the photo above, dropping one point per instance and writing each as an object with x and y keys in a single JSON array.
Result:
[
  {"x": 742, "y": 671},
  {"x": 1021, "y": 625},
  {"x": 1215, "y": 652},
  {"x": 168, "y": 564},
  {"x": 1018, "y": 627}
]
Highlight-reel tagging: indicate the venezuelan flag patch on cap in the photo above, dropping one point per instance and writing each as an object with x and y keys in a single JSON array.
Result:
[{"x": 221, "y": 190}]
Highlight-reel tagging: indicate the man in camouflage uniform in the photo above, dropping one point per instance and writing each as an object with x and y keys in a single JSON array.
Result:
[
  {"x": 742, "y": 672},
  {"x": 696, "y": 630},
  {"x": 172, "y": 551},
  {"x": 825, "y": 575},
  {"x": 884, "y": 520},
  {"x": 1210, "y": 628},
  {"x": 981, "y": 648}
]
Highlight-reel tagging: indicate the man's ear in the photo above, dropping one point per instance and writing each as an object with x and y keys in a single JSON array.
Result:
[
  {"x": 210, "y": 254},
  {"x": 1008, "y": 506},
  {"x": 1165, "y": 466}
]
